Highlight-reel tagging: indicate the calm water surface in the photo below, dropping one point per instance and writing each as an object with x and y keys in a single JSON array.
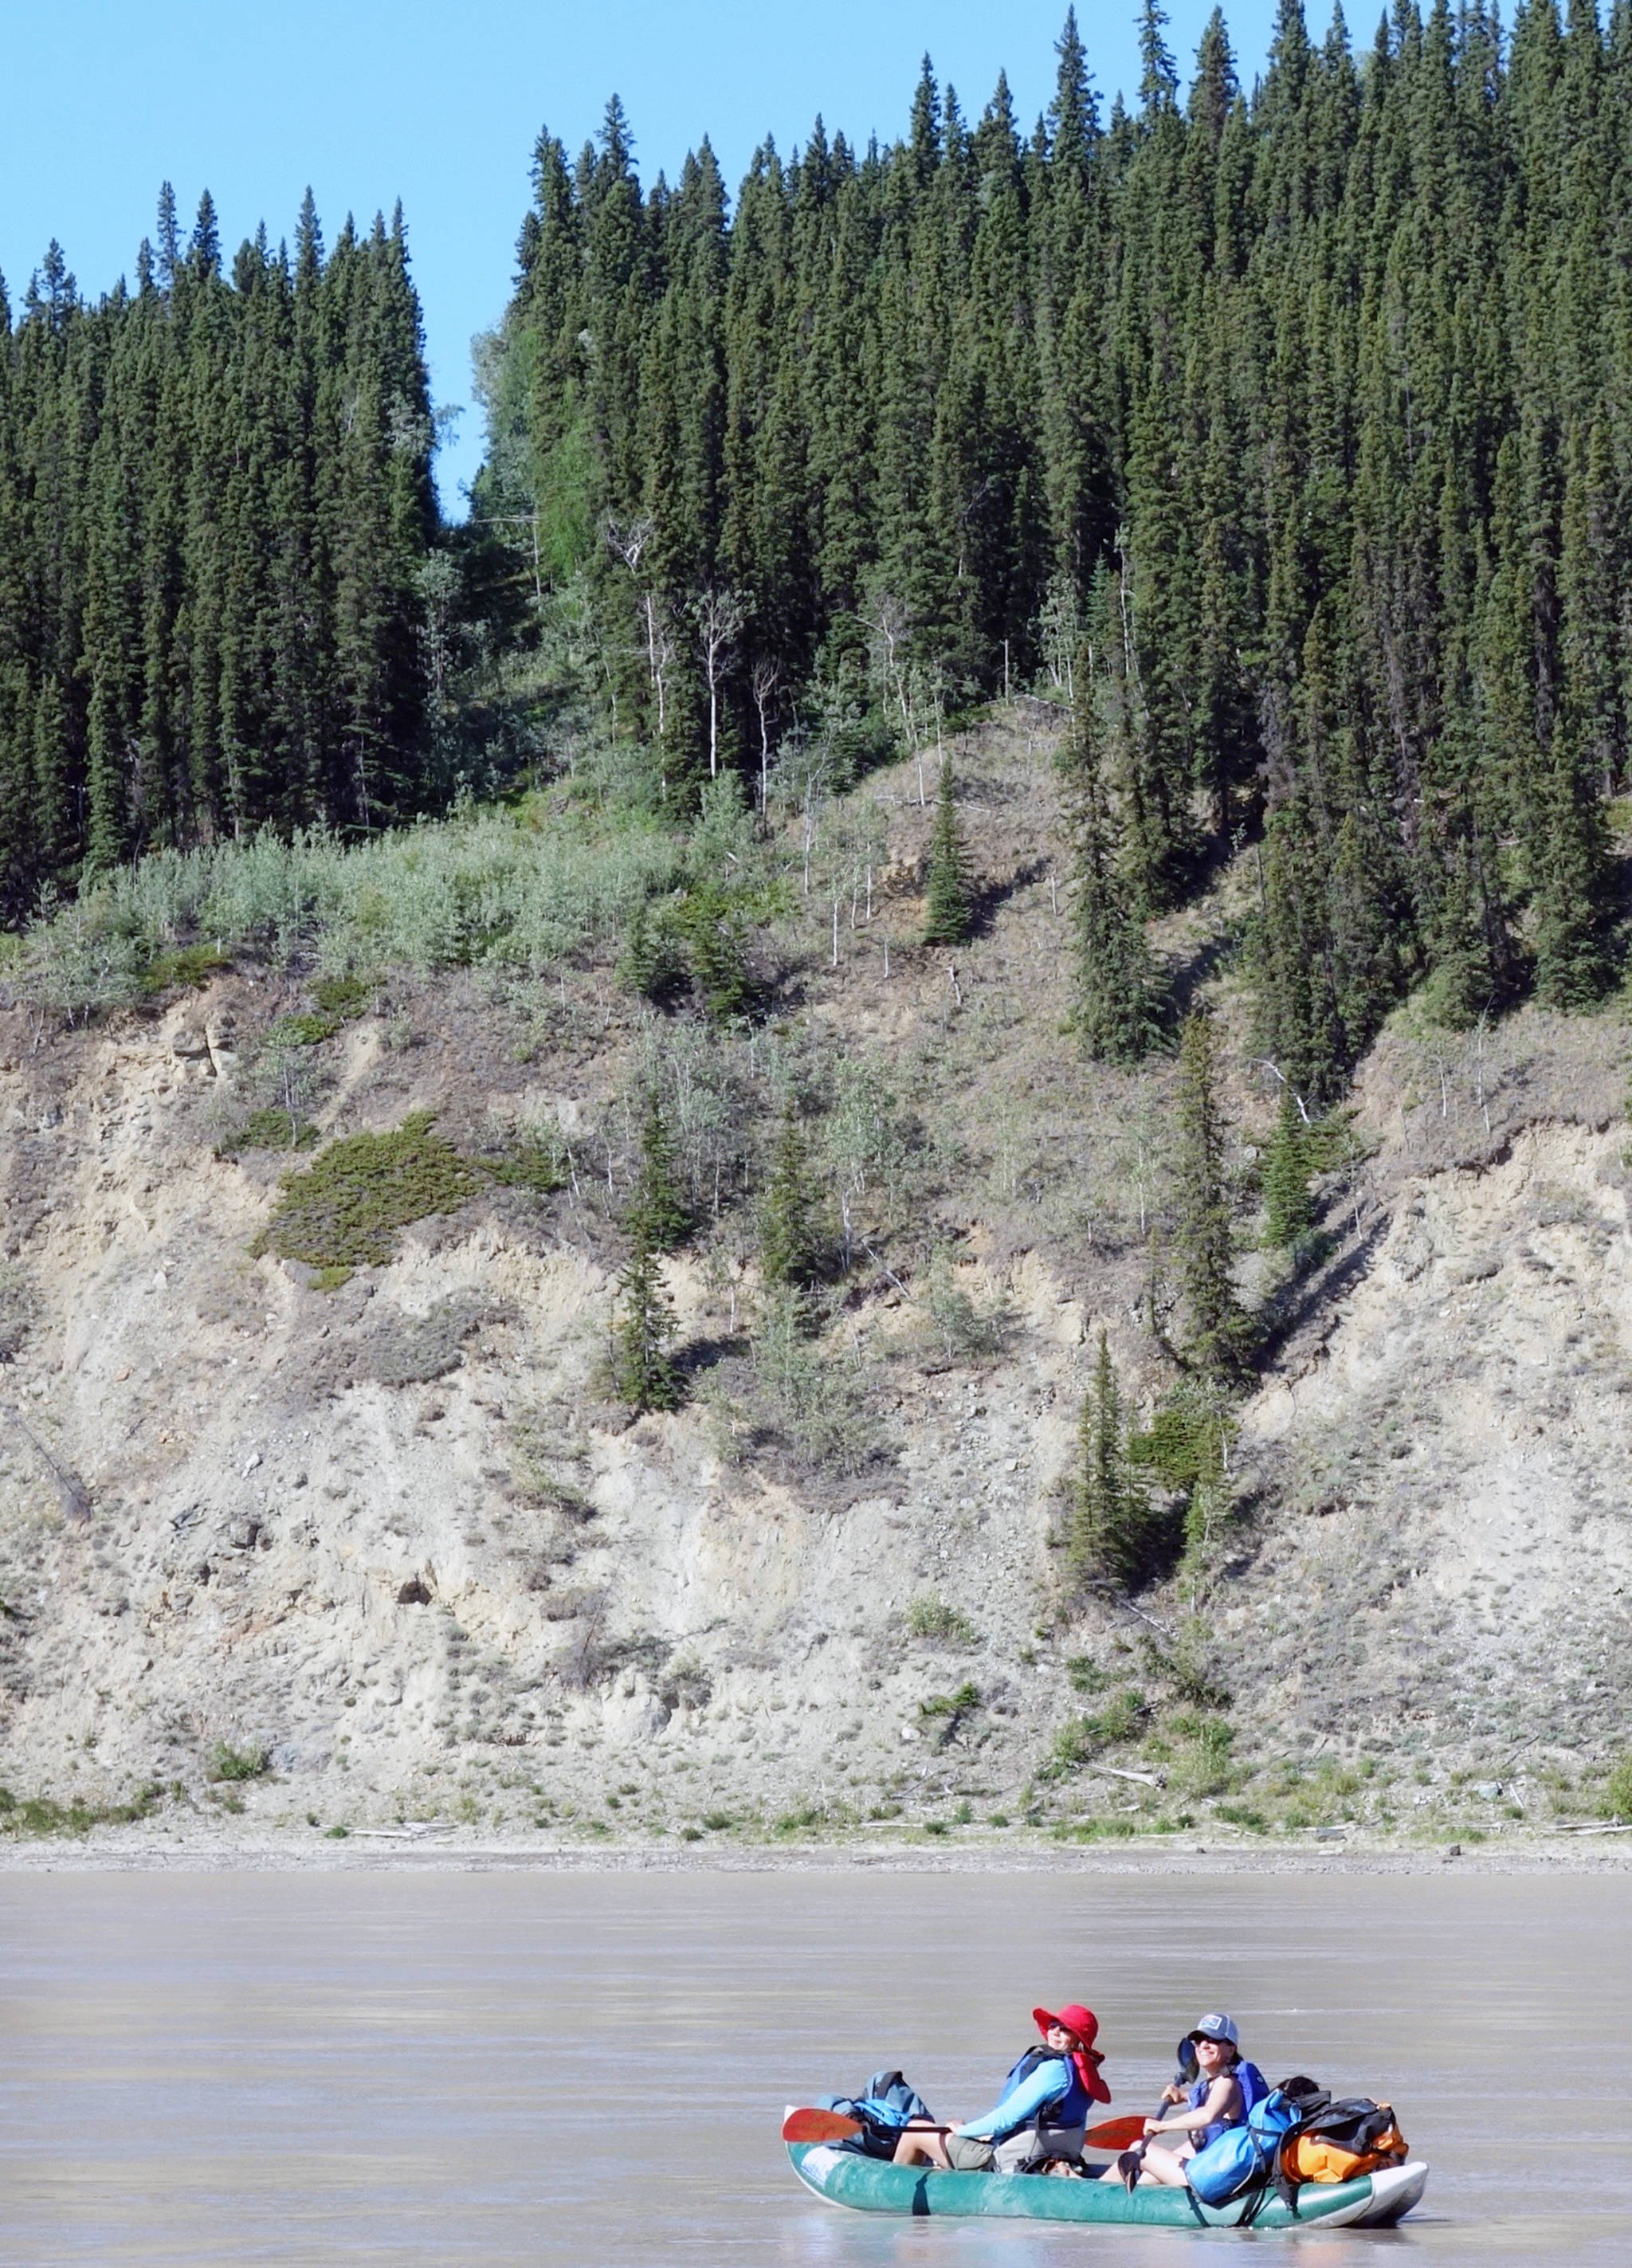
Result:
[{"x": 591, "y": 2069}]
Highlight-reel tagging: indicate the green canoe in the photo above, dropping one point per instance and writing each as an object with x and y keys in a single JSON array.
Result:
[{"x": 874, "y": 2185}]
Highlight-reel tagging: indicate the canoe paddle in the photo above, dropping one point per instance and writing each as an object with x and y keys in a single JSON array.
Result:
[
  {"x": 1116, "y": 2134},
  {"x": 834, "y": 2127},
  {"x": 819, "y": 2126},
  {"x": 1121, "y": 2134}
]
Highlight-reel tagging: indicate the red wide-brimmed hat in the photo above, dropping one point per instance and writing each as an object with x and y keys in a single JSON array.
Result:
[{"x": 1085, "y": 2024}]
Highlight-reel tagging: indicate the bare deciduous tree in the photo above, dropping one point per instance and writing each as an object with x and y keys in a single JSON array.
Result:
[
  {"x": 766, "y": 679},
  {"x": 628, "y": 540},
  {"x": 659, "y": 654},
  {"x": 719, "y": 616},
  {"x": 887, "y": 624}
]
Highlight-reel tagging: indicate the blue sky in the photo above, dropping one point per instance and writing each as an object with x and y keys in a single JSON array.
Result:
[{"x": 440, "y": 105}]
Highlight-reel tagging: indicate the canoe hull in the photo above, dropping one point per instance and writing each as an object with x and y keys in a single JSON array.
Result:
[{"x": 844, "y": 2177}]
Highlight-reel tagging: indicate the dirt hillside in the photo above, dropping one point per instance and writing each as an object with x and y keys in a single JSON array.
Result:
[{"x": 340, "y": 1555}]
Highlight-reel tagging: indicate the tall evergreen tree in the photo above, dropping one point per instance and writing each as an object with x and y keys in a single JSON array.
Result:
[
  {"x": 1113, "y": 1010},
  {"x": 1217, "y": 1333},
  {"x": 948, "y": 888},
  {"x": 1287, "y": 1210},
  {"x": 1109, "y": 1534},
  {"x": 790, "y": 1241},
  {"x": 657, "y": 1210},
  {"x": 643, "y": 1375}
]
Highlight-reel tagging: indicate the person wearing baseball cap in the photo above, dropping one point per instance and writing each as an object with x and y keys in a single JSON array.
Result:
[
  {"x": 1219, "y": 2097},
  {"x": 1043, "y": 2111}
]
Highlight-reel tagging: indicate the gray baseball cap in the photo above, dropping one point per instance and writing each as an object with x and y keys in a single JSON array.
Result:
[{"x": 1215, "y": 2028}]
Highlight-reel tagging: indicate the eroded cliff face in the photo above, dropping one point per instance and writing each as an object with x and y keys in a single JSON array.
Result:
[
  {"x": 391, "y": 1534},
  {"x": 1449, "y": 1554}
]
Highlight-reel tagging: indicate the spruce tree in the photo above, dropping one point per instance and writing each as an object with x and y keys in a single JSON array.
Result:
[
  {"x": 1108, "y": 1535},
  {"x": 1288, "y": 1212},
  {"x": 656, "y": 1211},
  {"x": 1573, "y": 964},
  {"x": 642, "y": 1330},
  {"x": 1113, "y": 1011},
  {"x": 1218, "y": 1334},
  {"x": 947, "y": 889},
  {"x": 790, "y": 1244}
]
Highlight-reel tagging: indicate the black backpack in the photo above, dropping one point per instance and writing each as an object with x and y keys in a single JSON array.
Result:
[{"x": 1353, "y": 2122}]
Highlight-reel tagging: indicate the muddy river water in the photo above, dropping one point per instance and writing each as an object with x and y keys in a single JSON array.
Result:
[{"x": 590, "y": 2068}]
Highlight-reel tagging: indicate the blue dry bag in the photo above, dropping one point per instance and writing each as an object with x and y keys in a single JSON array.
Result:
[{"x": 1243, "y": 2154}]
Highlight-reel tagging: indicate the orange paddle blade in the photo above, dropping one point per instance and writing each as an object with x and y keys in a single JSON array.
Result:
[
  {"x": 1116, "y": 2134},
  {"x": 819, "y": 2126}
]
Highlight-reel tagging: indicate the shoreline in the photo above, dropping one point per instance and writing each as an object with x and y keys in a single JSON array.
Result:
[{"x": 436, "y": 1849}]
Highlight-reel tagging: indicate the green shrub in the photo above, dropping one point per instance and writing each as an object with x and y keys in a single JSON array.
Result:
[
  {"x": 1188, "y": 1664},
  {"x": 1086, "y": 1675},
  {"x": 309, "y": 1030},
  {"x": 344, "y": 1211},
  {"x": 192, "y": 965},
  {"x": 1187, "y": 1448},
  {"x": 933, "y": 1619},
  {"x": 487, "y": 889},
  {"x": 814, "y": 1405},
  {"x": 1243, "y": 1815},
  {"x": 1204, "y": 1767},
  {"x": 270, "y": 1129},
  {"x": 231, "y": 1764},
  {"x": 41, "y": 1814},
  {"x": 685, "y": 1680},
  {"x": 963, "y": 1329},
  {"x": 343, "y": 995},
  {"x": 534, "y": 1161},
  {"x": 945, "y": 1712},
  {"x": 1618, "y": 1793},
  {"x": 1082, "y": 1738},
  {"x": 1121, "y": 1718},
  {"x": 1095, "y": 1831}
]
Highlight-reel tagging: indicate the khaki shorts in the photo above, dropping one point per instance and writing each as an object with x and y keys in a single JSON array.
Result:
[{"x": 966, "y": 2153}]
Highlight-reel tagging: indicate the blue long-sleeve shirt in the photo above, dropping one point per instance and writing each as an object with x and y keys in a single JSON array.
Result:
[{"x": 1022, "y": 2102}]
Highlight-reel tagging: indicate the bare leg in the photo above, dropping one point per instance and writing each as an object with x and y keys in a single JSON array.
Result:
[
  {"x": 924, "y": 2145},
  {"x": 1166, "y": 2167}
]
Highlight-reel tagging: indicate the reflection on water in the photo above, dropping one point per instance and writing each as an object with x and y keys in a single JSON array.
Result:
[{"x": 583, "y": 2071}]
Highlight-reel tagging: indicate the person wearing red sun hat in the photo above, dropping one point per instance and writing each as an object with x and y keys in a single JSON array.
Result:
[{"x": 1046, "y": 2100}]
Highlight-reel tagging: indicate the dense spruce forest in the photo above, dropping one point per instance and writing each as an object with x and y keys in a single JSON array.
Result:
[
  {"x": 1287, "y": 434},
  {"x": 1282, "y": 437},
  {"x": 214, "y": 509}
]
